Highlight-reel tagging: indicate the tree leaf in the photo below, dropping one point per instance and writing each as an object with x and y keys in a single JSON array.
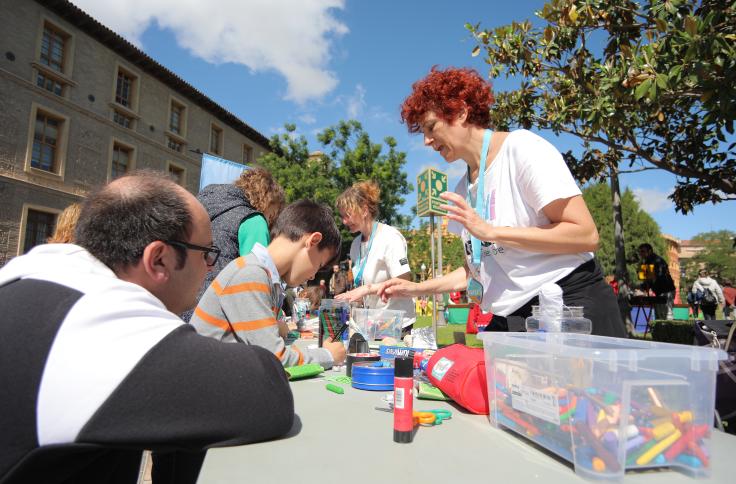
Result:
[
  {"x": 691, "y": 25},
  {"x": 476, "y": 51},
  {"x": 642, "y": 89},
  {"x": 573, "y": 14}
]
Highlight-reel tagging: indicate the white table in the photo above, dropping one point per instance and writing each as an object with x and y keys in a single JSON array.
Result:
[{"x": 343, "y": 439}]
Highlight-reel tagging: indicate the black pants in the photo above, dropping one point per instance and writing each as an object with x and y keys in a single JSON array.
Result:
[
  {"x": 709, "y": 311},
  {"x": 584, "y": 287}
]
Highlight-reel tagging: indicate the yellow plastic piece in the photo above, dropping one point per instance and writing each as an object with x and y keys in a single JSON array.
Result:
[
  {"x": 598, "y": 464},
  {"x": 658, "y": 448}
]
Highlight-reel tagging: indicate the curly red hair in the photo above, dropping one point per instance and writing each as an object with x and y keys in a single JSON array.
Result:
[{"x": 446, "y": 93}]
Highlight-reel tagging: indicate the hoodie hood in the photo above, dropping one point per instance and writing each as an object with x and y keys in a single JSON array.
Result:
[
  {"x": 220, "y": 198},
  {"x": 44, "y": 262}
]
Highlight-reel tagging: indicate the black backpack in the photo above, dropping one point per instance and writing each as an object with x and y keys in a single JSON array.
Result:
[{"x": 709, "y": 299}]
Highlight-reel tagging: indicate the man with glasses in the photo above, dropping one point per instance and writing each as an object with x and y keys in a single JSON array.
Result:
[{"x": 97, "y": 367}]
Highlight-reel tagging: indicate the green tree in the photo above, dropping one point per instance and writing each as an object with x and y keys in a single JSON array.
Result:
[
  {"x": 349, "y": 156},
  {"x": 360, "y": 159},
  {"x": 718, "y": 256},
  {"x": 640, "y": 228},
  {"x": 417, "y": 241},
  {"x": 650, "y": 82}
]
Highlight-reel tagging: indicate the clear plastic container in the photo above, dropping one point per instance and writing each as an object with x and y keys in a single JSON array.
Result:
[
  {"x": 605, "y": 404},
  {"x": 570, "y": 321},
  {"x": 333, "y": 315},
  {"x": 376, "y": 324}
]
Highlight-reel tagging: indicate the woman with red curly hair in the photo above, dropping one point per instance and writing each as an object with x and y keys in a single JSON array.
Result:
[{"x": 521, "y": 215}]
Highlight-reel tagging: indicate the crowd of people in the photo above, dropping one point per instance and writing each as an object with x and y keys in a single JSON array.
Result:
[{"x": 141, "y": 257}]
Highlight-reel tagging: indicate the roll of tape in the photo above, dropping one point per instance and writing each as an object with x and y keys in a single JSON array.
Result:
[
  {"x": 357, "y": 357},
  {"x": 367, "y": 376}
]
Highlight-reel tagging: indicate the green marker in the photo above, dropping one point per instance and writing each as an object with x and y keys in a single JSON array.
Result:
[{"x": 335, "y": 388}]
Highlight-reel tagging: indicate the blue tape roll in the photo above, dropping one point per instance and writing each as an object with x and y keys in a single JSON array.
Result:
[{"x": 367, "y": 376}]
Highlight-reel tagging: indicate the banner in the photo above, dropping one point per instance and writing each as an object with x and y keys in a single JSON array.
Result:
[{"x": 219, "y": 170}]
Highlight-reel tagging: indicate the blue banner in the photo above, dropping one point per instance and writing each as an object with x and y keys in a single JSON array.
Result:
[{"x": 219, "y": 170}]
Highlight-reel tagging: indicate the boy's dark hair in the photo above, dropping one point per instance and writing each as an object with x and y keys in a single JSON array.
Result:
[
  {"x": 304, "y": 217},
  {"x": 647, "y": 246},
  {"x": 118, "y": 221}
]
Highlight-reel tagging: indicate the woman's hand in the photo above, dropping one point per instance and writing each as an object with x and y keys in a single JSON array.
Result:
[
  {"x": 466, "y": 215},
  {"x": 355, "y": 295},
  {"x": 396, "y": 287}
]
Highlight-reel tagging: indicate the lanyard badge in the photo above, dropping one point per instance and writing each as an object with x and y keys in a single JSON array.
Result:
[
  {"x": 358, "y": 278},
  {"x": 479, "y": 204},
  {"x": 475, "y": 288}
]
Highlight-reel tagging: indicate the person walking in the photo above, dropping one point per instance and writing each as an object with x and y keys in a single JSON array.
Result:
[
  {"x": 711, "y": 294},
  {"x": 729, "y": 297}
]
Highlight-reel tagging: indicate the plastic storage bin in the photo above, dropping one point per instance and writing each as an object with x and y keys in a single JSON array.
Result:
[
  {"x": 376, "y": 324},
  {"x": 571, "y": 320},
  {"x": 605, "y": 404}
]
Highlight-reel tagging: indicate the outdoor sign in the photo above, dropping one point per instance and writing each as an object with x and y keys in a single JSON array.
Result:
[{"x": 430, "y": 183}]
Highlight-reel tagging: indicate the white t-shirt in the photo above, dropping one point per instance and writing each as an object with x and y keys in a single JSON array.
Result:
[
  {"x": 527, "y": 174},
  {"x": 386, "y": 259}
]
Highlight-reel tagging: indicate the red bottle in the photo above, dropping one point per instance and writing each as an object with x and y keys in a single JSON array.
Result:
[{"x": 403, "y": 400}]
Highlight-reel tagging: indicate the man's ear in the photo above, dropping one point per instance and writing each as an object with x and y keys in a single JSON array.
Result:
[
  {"x": 314, "y": 239},
  {"x": 157, "y": 261},
  {"x": 463, "y": 115}
]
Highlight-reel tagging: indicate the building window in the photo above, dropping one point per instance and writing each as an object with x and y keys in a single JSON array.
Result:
[
  {"x": 176, "y": 118},
  {"x": 45, "y": 154},
  {"x": 124, "y": 89},
  {"x": 177, "y": 173},
  {"x": 50, "y": 84},
  {"x": 122, "y": 119},
  {"x": 52, "y": 48},
  {"x": 122, "y": 157},
  {"x": 216, "y": 140},
  {"x": 47, "y": 141},
  {"x": 174, "y": 145},
  {"x": 247, "y": 154},
  {"x": 39, "y": 227}
]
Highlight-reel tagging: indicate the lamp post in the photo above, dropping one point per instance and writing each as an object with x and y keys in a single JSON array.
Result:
[{"x": 424, "y": 271}]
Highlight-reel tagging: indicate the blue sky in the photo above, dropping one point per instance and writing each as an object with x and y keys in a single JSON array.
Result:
[{"x": 316, "y": 62}]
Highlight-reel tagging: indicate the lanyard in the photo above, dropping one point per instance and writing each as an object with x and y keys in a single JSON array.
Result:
[
  {"x": 358, "y": 278},
  {"x": 479, "y": 199}
]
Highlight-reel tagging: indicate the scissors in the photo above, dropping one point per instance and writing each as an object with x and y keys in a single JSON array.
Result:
[{"x": 432, "y": 417}]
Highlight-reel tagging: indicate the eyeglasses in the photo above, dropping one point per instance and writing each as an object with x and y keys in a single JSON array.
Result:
[{"x": 211, "y": 254}]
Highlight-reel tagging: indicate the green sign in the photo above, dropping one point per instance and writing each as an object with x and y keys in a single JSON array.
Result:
[{"x": 430, "y": 183}]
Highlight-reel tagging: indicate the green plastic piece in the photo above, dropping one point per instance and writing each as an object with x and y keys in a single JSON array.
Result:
[
  {"x": 428, "y": 391},
  {"x": 304, "y": 371},
  {"x": 335, "y": 388},
  {"x": 345, "y": 380}
]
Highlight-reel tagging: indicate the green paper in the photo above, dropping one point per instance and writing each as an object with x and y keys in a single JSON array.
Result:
[
  {"x": 427, "y": 391},
  {"x": 304, "y": 371}
]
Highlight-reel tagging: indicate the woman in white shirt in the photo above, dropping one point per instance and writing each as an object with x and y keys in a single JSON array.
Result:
[
  {"x": 378, "y": 252},
  {"x": 524, "y": 225}
]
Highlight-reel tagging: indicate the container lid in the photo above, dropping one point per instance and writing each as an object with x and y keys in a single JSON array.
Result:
[
  {"x": 604, "y": 348},
  {"x": 404, "y": 367}
]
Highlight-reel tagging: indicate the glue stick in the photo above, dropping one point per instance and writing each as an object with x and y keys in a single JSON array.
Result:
[{"x": 403, "y": 400}]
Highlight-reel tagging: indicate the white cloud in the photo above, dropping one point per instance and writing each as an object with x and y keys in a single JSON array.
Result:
[
  {"x": 652, "y": 200},
  {"x": 291, "y": 37},
  {"x": 307, "y": 118},
  {"x": 356, "y": 102}
]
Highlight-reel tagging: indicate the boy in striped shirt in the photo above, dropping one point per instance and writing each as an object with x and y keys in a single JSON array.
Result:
[{"x": 242, "y": 303}]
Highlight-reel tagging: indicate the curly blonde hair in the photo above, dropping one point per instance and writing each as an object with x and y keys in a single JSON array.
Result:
[
  {"x": 263, "y": 192},
  {"x": 360, "y": 194},
  {"x": 65, "y": 224}
]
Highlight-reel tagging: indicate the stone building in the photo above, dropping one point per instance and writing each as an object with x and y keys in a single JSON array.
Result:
[{"x": 79, "y": 106}]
